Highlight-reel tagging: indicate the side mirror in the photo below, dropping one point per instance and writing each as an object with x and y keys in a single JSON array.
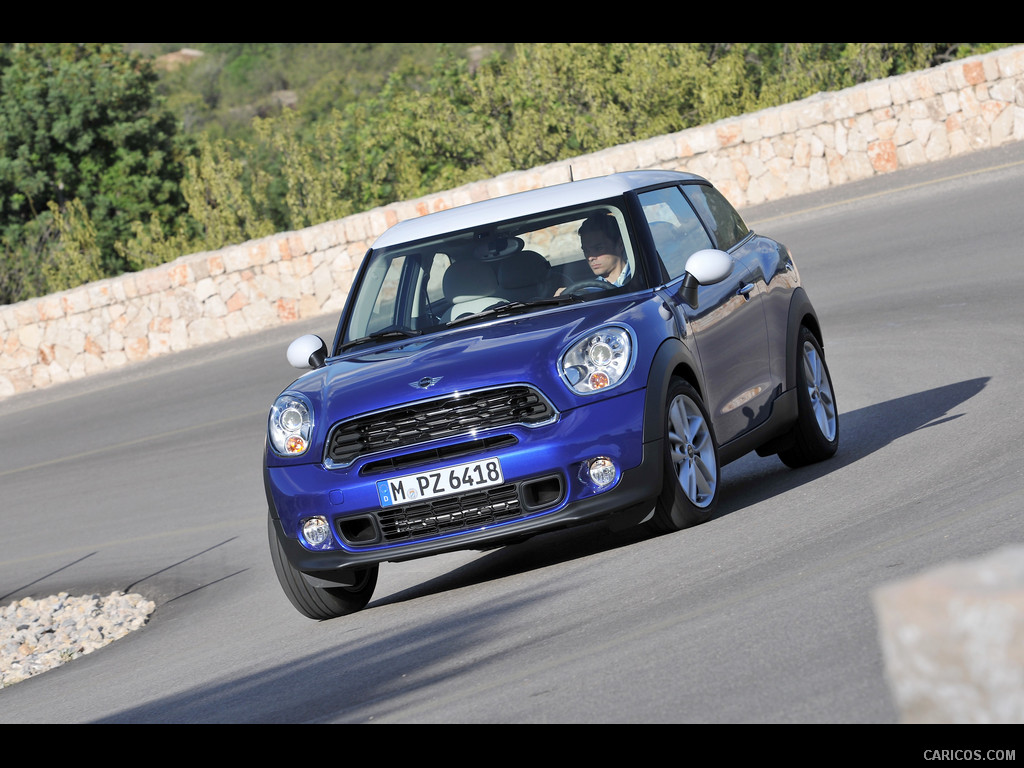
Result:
[
  {"x": 705, "y": 267},
  {"x": 307, "y": 351}
]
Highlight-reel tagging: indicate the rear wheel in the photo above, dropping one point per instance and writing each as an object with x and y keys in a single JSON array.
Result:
[
  {"x": 689, "y": 491},
  {"x": 320, "y": 602},
  {"x": 816, "y": 432}
]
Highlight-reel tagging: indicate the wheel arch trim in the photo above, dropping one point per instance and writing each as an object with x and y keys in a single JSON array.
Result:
[
  {"x": 801, "y": 313},
  {"x": 672, "y": 360}
]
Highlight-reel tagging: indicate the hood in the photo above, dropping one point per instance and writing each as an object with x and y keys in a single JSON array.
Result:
[{"x": 518, "y": 349}]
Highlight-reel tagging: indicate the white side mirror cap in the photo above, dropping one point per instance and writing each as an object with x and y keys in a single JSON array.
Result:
[
  {"x": 709, "y": 266},
  {"x": 307, "y": 351}
]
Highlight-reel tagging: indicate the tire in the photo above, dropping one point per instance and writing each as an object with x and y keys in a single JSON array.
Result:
[
  {"x": 816, "y": 432},
  {"x": 320, "y": 602},
  {"x": 692, "y": 473}
]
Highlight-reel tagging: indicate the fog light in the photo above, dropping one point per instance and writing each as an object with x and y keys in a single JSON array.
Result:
[
  {"x": 600, "y": 472},
  {"x": 316, "y": 532}
]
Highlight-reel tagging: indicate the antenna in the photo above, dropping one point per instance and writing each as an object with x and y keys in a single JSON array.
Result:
[{"x": 570, "y": 174}]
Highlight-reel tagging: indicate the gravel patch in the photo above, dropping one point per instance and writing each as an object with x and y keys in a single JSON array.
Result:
[{"x": 38, "y": 635}]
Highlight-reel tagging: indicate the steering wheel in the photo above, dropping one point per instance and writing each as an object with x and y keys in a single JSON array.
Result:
[{"x": 589, "y": 284}]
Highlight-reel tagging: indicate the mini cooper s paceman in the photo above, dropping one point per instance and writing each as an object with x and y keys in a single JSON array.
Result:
[{"x": 594, "y": 350}]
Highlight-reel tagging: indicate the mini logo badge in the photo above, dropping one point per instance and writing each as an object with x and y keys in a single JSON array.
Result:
[{"x": 425, "y": 382}]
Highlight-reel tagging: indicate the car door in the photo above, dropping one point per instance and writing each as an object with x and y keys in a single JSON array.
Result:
[{"x": 728, "y": 324}]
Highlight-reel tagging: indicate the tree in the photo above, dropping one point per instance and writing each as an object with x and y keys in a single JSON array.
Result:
[
  {"x": 82, "y": 121},
  {"x": 374, "y": 123}
]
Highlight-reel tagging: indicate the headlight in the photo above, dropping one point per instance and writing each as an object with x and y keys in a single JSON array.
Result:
[
  {"x": 291, "y": 425},
  {"x": 600, "y": 360}
]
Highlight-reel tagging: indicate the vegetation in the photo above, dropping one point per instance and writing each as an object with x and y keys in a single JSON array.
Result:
[{"x": 113, "y": 158}]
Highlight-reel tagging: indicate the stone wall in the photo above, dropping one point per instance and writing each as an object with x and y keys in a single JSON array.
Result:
[{"x": 809, "y": 145}]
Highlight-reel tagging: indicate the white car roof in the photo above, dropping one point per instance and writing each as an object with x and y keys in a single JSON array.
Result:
[{"x": 524, "y": 204}]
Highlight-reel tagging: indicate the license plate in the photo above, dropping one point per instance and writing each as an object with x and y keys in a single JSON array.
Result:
[{"x": 461, "y": 478}]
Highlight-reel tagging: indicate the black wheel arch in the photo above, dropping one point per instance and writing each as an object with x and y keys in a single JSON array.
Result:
[
  {"x": 801, "y": 313},
  {"x": 672, "y": 360}
]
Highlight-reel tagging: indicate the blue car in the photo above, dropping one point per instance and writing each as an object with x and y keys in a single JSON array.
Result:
[{"x": 594, "y": 350}]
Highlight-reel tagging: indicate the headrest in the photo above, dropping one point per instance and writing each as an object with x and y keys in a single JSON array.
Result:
[
  {"x": 523, "y": 269},
  {"x": 468, "y": 280}
]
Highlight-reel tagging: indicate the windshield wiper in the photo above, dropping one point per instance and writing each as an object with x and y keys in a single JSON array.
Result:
[
  {"x": 515, "y": 307},
  {"x": 387, "y": 333}
]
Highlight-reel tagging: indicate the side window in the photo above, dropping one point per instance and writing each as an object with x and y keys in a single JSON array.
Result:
[
  {"x": 675, "y": 227},
  {"x": 725, "y": 223}
]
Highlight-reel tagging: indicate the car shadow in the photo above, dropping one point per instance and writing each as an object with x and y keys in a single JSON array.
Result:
[{"x": 747, "y": 481}]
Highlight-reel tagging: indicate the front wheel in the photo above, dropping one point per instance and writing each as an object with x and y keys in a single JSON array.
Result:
[
  {"x": 320, "y": 602},
  {"x": 692, "y": 473},
  {"x": 816, "y": 432}
]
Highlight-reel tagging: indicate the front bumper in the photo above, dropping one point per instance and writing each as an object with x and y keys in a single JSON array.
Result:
[{"x": 546, "y": 458}]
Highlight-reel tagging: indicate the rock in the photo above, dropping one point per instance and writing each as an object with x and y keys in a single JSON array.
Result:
[
  {"x": 45, "y": 633},
  {"x": 953, "y": 641}
]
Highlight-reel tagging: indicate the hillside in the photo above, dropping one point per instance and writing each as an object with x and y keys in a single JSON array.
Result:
[{"x": 222, "y": 86}]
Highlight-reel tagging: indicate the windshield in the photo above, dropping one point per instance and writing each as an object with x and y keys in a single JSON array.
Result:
[{"x": 420, "y": 287}]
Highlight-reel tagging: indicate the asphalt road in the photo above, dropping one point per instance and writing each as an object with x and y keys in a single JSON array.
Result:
[{"x": 148, "y": 480}]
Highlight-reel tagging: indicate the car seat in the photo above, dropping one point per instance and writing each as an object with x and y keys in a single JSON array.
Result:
[
  {"x": 524, "y": 276},
  {"x": 471, "y": 286}
]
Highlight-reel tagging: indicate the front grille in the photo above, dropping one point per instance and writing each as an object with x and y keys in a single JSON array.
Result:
[
  {"x": 449, "y": 416},
  {"x": 450, "y": 514}
]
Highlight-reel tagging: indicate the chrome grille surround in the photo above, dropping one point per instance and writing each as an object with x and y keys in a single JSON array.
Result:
[
  {"x": 454, "y": 415},
  {"x": 403, "y": 462}
]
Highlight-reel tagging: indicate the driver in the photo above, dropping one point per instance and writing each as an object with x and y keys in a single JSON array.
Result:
[{"x": 603, "y": 249}]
